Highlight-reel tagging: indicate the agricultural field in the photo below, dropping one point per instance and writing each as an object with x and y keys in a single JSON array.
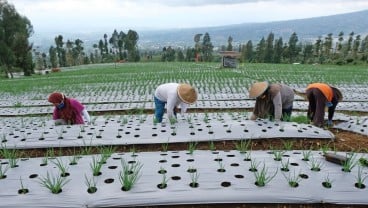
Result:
[{"x": 213, "y": 156}]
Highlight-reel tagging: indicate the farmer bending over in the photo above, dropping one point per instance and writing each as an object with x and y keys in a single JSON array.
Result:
[
  {"x": 67, "y": 110},
  {"x": 321, "y": 95},
  {"x": 274, "y": 101},
  {"x": 174, "y": 95}
]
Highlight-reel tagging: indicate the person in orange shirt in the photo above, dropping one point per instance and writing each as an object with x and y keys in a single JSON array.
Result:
[{"x": 321, "y": 95}]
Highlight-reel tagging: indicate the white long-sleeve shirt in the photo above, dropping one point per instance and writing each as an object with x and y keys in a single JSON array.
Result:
[{"x": 168, "y": 93}]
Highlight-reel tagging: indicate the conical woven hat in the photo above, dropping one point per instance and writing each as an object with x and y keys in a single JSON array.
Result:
[
  {"x": 257, "y": 89},
  {"x": 187, "y": 93},
  {"x": 338, "y": 94}
]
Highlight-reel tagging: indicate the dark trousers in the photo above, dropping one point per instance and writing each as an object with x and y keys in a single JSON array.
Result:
[{"x": 316, "y": 109}]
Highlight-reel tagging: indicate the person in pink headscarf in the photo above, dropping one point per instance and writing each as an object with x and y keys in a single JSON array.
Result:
[{"x": 67, "y": 110}]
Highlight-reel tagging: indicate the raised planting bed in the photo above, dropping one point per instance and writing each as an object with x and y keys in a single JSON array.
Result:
[
  {"x": 140, "y": 129},
  {"x": 184, "y": 177}
]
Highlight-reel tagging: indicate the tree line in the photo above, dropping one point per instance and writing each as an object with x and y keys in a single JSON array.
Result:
[
  {"x": 17, "y": 54},
  {"x": 324, "y": 50}
]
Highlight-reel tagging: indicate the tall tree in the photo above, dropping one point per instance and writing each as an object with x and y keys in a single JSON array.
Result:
[
  {"x": 106, "y": 48},
  {"x": 229, "y": 43},
  {"x": 260, "y": 50},
  {"x": 131, "y": 41},
  {"x": 349, "y": 44},
  {"x": 278, "y": 50},
  {"x": 60, "y": 50},
  {"x": 293, "y": 47},
  {"x": 121, "y": 40},
  {"x": 356, "y": 44},
  {"x": 327, "y": 46},
  {"x": 15, "y": 49},
  {"x": 307, "y": 53},
  {"x": 364, "y": 49},
  {"x": 317, "y": 49},
  {"x": 53, "y": 57},
  {"x": 247, "y": 52},
  {"x": 207, "y": 48},
  {"x": 268, "y": 58}
]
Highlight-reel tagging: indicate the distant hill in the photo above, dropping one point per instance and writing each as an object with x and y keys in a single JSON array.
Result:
[{"x": 306, "y": 29}]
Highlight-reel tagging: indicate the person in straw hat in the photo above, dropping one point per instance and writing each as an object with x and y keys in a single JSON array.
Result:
[
  {"x": 174, "y": 95},
  {"x": 320, "y": 96},
  {"x": 67, "y": 110},
  {"x": 274, "y": 101}
]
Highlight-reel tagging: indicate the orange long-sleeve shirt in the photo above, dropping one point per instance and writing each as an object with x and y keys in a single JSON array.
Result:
[{"x": 324, "y": 88}]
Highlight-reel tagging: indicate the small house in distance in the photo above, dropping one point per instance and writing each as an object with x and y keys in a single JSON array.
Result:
[{"x": 229, "y": 59}]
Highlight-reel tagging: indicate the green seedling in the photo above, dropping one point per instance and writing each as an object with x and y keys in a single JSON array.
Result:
[
  {"x": 293, "y": 180},
  {"x": 130, "y": 174},
  {"x": 350, "y": 162},
  {"x": 307, "y": 155},
  {"x": 192, "y": 147},
  {"x": 96, "y": 166},
  {"x": 90, "y": 183},
  {"x": 360, "y": 178},
  {"x": 288, "y": 145},
  {"x": 316, "y": 165},
  {"x": 53, "y": 183},
  {"x": 327, "y": 182},
  {"x": 63, "y": 167},
  {"x": 243, "y": 145},
  {"x": 211, "y": 145},
  {"x": 262, "y": 177},
  {"x": 285, "y": 165}
]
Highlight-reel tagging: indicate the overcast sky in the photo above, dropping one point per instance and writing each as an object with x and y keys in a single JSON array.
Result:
[{"x": 90, "y": 15}]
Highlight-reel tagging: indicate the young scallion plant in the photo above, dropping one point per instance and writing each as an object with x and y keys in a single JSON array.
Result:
[
  {"x": 165, "y": 146},
  {"x": 315, "y": 164},
  {"x": 278, "y": 154},
  {"x": 194, "y": 176},
  {"x": 254, "y": 166},
  {"x": 91, "y": 184},
  {"x": 243, "y": 145},
  {"x": 63, "y": 167},
  {"x": 211, "y": 145},
  {"x": 129, "y": 174},
  {"x": 327, "y": 182},
  {"x": 262, "y": 177},
  {"x": 350, "y": 162},
  {"x": 11, "y": 155},
  {"x": 23, "y": 189},
  {"x": 163, "y": 183},
  {"x": 192, "y": 147},
  {"x": 293, "y": 180},
  {"x": 96, "y": 166},
  {"x": 307, "y": 155},
  {"x": 288, "y": 145},
  {"x": 285, "y": 165},
  {"x": 53, "y": 183},
  {"x": 360, "y": 178}
]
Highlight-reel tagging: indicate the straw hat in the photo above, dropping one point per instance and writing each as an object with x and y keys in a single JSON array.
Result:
[
  {"x": 187, "y": 93},
  {"x": 258, "y": 89},
  {"x": 338, "y": 93}
]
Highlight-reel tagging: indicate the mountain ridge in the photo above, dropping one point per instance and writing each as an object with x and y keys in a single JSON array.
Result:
[{"x": 307, "y": 29}]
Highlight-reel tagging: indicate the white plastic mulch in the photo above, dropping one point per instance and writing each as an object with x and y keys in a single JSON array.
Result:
[
  {"x": 235, "y": 184},
  {"x": 33, "y": 132}
]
